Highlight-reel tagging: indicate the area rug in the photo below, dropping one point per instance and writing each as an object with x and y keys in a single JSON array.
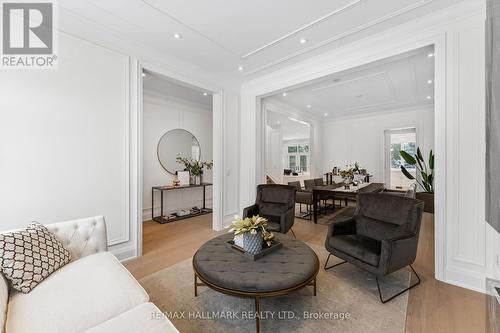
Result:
[{"x": 347, "y": 301}]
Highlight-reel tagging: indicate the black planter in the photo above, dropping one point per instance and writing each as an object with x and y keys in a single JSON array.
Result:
[{"x": 428, "y": 199}]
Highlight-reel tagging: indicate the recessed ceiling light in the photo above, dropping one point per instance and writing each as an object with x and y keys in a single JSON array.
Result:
[
  {"x": 430, "y": 55},
  {"x": 429, "y": 82},
  {"x": 177, "y": 35},
  {"x": 326, "y": 115},
  {"x": 284, "y": 94},
  {"x": 308, "y": 106},
  {"x": 143, "y": 74},
  {"x": 278, "y": 122},
  {"x": 240, "y": 68},
  {"x": 303, "y": 41},
  {"x": 429, "y": 97},
  {"x": 205, "y": 94}
]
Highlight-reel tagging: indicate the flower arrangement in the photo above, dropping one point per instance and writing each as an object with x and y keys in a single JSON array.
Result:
[
  {"x": 195, "y": 167},
  {"x": 253, "y": 225},
  {"x": 352, "y": 169}
]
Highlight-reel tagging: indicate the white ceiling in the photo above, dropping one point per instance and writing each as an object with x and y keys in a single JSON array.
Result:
[
  {"x": 291, "y": 128},
  {"x": 403, "y": 82},
  {"x": 177, "y": 91},
  {"x": 220, "y": 35}
]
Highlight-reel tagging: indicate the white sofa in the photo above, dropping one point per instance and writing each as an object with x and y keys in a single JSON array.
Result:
[{"x": 94, "y": 293}]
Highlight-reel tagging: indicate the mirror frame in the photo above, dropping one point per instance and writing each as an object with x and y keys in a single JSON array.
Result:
[{"x": 158, "y": 147}]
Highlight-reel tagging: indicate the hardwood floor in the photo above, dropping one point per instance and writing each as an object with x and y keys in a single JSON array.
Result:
[{"x": 433, "y": 306}]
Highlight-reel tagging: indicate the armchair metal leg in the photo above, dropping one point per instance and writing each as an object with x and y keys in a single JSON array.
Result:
[
  {"x": 293, "y": 233},
  {"x": 406, "y": 289},
  {"x": 335, "y": 265}
]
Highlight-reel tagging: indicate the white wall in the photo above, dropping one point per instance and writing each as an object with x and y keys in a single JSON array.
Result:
[
  {"x": 162, "y": 113},
  {"x": 361, "y": 139},
  {"x": 69, "y": 139},
  {"x": 63, "y": 141},
  {"x": 463, "y": 245}
]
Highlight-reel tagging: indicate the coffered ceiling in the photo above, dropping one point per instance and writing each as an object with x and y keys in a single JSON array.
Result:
[
  {"x": 222, "y": 35},
  {"x": 403, "y": 82},
  {"x": 291, "y": 128}
]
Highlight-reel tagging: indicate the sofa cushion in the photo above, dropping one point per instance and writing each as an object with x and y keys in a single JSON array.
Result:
[
  {"x": 29, "y": 256},
  {"x": 362, "y": 248},
  {"x": 80, "y": 295},
  {"x": 144, "y": 318}
]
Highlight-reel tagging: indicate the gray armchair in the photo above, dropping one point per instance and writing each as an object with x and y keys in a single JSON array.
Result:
[
  {"x": 381, "y": 237},
  {"x": 277, "y": 204}
]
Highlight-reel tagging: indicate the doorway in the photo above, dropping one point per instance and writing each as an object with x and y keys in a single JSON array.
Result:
[
  {"x": 166, "y": 106},
  {"x": 280, "y": 82}
]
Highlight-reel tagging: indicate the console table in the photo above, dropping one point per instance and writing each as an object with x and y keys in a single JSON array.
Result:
[{"x": 160, "y": 219}]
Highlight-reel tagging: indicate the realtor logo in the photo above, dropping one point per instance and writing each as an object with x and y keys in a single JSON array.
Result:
[{"x": 28, "y": 35}]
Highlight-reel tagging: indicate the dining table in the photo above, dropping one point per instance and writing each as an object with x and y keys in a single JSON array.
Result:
[{"x": 342, "y": 191}]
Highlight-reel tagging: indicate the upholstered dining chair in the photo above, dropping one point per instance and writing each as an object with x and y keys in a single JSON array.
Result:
[
  {"x": 303, "y": 197},
  {"x": 310, "y": 184},
  {"x": 380, "y": 238},
  {"x": 277, "y": 204}
]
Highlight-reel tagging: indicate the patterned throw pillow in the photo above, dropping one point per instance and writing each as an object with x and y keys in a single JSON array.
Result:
[{"x": 29, "y": 256}]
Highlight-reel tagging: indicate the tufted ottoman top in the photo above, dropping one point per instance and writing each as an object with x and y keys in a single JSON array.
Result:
[{"x": 295, "y": 263}]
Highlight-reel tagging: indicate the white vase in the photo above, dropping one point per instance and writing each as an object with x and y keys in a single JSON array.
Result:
[{"x": 238, "y": 240}]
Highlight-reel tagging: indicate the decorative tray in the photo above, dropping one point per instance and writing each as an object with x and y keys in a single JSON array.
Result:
[{"x": 265, "y": 250}]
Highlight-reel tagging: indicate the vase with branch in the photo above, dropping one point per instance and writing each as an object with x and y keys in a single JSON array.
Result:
[{"x": 195, "y": 168}]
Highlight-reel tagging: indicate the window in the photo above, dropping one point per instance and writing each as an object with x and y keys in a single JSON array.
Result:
[
  {"x": 298, "y": 157},
  {"x": 396, "y": 141}
]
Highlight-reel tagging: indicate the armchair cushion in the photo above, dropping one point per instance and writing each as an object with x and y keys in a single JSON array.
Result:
[
  {"x": 387, "y": 208},
  {"x": 272, "y": 209},
  {"x": 275, "y": 194},
  {"x": 362, "y": 248}
]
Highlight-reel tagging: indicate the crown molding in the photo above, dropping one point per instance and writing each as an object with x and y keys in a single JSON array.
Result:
[
  {"x": 305, "y": 27},
  {"x": 339, "y": 36}
]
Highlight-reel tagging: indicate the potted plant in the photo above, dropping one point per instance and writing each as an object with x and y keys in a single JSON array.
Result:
[
  {"x": 250, "y": 233},
  {"x": 195, "y": 168},
  {"x": 426, "y": 171}
]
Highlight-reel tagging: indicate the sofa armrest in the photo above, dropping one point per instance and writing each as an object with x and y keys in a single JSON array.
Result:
[
  {"x": 398, "y": 252},
  {"x": 250, "y": 211},
  {"x": 81, "y": 237}
]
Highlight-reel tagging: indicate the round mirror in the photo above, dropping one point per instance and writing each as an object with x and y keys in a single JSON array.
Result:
[{"x": 177, "y": 142}]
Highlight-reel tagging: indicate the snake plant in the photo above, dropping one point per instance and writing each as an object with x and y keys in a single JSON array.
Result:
[{"x": 426, "y": 171}]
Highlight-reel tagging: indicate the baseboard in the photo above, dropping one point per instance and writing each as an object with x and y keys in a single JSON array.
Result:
[
  {"x": 466, "y": 279},
  {"x": 124, "y": 254},
  {"x": 228, "y": 219}
]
